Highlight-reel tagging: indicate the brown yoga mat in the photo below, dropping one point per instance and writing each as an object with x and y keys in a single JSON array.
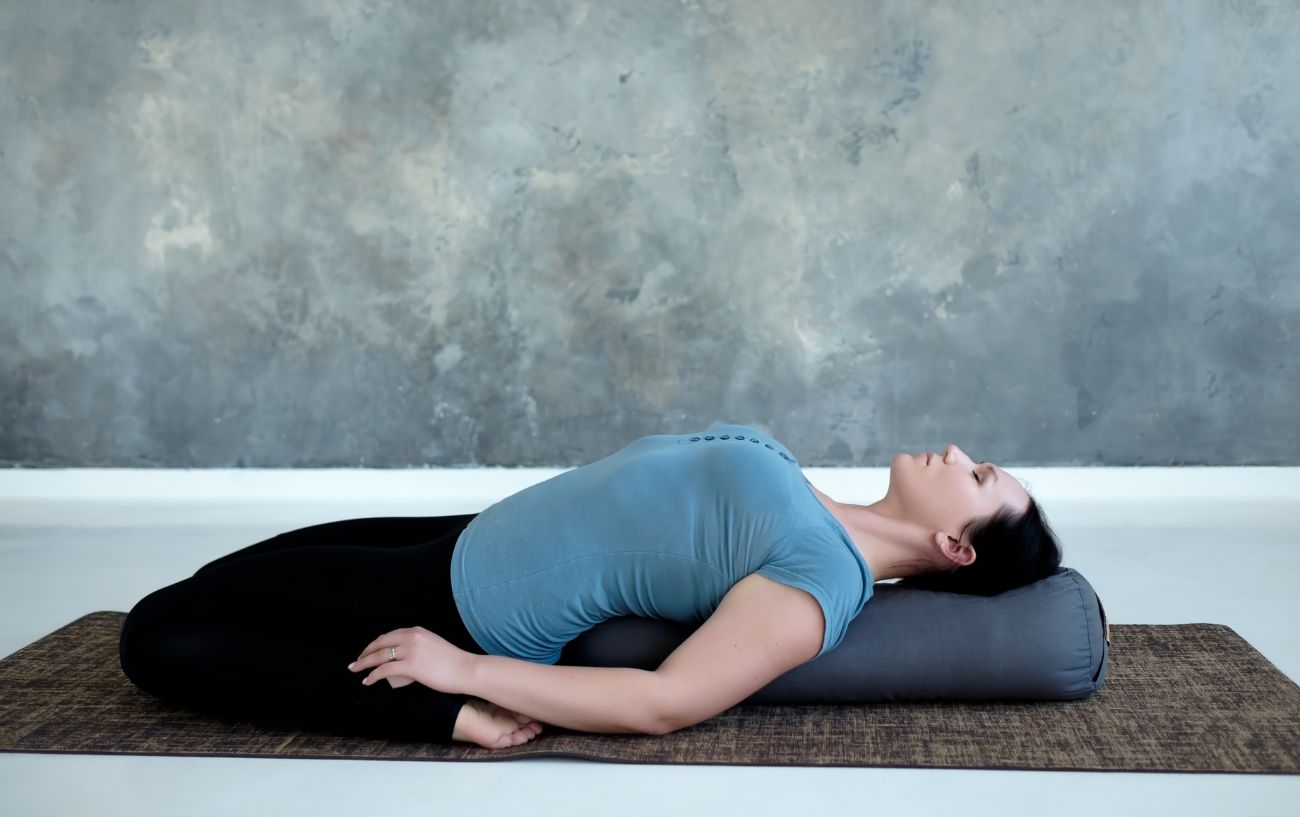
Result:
[{"x": 1177, "y": 698}]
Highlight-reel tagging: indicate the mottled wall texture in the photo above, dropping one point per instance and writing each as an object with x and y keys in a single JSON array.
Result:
[{"x": 368, "y": 233}]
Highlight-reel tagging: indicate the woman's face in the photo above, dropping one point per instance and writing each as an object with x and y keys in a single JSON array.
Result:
[{"x": 951, "y": 490}]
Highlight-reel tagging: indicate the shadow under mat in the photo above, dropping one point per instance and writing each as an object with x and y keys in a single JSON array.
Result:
[{"x": 1177, "y": 698}]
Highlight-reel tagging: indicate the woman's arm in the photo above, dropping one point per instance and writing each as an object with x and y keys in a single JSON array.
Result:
[
  {"x": 589, "y": 699},
  {"x": 759, "y": 631},
  {"x": 586, "y": 698}
]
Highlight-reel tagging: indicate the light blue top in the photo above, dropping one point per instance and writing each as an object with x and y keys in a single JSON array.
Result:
[{"x": 661, "y": 529}]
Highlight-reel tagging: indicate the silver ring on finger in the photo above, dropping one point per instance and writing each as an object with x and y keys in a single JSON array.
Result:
[{"x": 392, "y": 653}]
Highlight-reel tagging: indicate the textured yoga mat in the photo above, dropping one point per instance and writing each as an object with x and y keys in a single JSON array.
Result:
[{"x": 1178, "y": 698}]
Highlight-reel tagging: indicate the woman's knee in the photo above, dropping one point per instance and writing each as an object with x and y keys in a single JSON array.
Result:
[{"x": 153, "y": 639}]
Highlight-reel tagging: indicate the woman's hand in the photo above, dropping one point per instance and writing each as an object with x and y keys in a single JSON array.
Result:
[{"x": 421, "y": 656}]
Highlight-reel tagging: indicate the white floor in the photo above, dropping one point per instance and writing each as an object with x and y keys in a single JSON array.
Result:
[{"x": 1161, "y": 546}]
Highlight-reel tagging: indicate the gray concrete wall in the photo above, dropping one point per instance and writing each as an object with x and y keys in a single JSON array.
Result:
[{"x": 335, "y": 232}]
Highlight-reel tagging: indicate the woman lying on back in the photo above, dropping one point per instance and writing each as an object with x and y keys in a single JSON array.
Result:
[{"x": 716, "y": 528}]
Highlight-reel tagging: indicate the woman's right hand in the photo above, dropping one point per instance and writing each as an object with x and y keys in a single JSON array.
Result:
[{"x": 493, "y": 727}]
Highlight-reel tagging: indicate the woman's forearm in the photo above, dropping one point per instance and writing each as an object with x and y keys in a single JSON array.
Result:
[{"x": 588, "y": 699}]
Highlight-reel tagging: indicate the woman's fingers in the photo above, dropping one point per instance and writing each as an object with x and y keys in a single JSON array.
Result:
[
  {"x": 375, "y": 645},
  {"x": 384, "y": 670},
  {"x": 367, "y": 661},
  {"x": 389, "y": 639},
  {"x": 375, "y": 653}
]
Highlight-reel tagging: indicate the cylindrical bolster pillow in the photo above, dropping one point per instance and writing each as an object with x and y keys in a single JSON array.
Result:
[{"x": 1043, "y": 641}]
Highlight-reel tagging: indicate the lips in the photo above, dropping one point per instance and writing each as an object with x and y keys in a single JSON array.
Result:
[{"x": 928, "y": 457}]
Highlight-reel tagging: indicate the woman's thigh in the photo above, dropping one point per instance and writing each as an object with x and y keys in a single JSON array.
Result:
[
  {"x": 271, "y": 634},
  {"x": 371, "y": 532}
]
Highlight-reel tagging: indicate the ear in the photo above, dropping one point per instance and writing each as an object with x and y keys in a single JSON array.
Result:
[{"x": 958, "y": 553}]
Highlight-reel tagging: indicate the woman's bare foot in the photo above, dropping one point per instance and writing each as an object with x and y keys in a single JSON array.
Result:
[{"x": 493, "y": 727}]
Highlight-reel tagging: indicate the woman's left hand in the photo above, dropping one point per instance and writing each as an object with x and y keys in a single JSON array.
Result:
[{"x": 421, "y": 656}]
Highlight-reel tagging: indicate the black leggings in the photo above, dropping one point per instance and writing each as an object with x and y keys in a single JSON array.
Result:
[{"x": 266, "y": 633}]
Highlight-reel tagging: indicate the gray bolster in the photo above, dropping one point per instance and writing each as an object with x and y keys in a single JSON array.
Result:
[{"x": 1043, "y": 641}]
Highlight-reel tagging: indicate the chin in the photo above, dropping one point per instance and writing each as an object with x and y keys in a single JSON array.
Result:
[
  {"x": 900, "y": 466},
  {"x": 905, "y": 464}
]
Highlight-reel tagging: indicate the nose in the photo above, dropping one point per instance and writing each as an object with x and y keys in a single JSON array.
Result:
[{"x": 952, "y": 454}]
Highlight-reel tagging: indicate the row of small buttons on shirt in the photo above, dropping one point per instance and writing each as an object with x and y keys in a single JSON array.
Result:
[{"x": 784, "y": 455}]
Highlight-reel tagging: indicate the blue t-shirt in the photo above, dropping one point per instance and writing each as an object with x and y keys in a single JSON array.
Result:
[{"x": 661, "y": 529}]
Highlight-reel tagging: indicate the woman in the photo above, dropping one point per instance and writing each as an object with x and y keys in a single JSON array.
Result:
[{"x": 465, "y": 616}]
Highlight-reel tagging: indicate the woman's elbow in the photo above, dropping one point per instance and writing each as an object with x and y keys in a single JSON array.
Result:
[
  {"x": 659, "y": 728},
  {"x": 654, "y": 720},
  {"x": 666, "y": 724},
  {"x": 654, "y": 724}
]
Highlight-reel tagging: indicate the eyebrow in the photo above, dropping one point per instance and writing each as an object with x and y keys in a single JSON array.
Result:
[{"x": 995, "y": 472}]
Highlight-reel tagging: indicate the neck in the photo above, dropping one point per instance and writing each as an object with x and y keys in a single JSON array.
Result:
[{"x": 891, "y": 546}]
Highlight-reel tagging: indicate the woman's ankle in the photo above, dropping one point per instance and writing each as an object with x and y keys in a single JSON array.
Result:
[{"x": 458, "y": 732}]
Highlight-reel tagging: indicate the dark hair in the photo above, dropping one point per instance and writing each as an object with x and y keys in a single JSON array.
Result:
[{"x": 1010, "y": 551}]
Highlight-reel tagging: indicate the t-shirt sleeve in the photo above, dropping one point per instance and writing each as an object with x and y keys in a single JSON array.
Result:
[{"x": 813, "y": 562}]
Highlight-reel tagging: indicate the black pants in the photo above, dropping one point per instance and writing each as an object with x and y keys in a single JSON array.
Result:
[{"x": 266, "y": 633}]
